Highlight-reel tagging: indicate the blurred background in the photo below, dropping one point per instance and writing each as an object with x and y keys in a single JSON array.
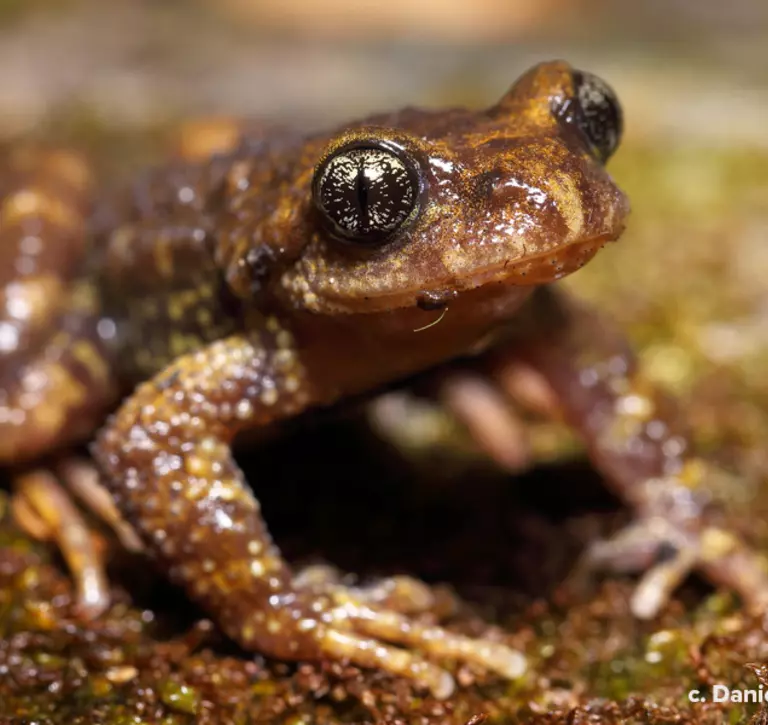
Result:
[{"x": 695, "y": 69}]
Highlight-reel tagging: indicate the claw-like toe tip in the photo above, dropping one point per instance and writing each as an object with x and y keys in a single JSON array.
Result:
[
  {"x": 645, "y": 604},
  {"x": 509, "y": 662},
  {"x": 444, "y": 686}
]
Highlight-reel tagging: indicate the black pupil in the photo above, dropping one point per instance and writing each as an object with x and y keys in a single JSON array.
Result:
[
  {"x": 366, "y": 192},
  {"x": 362, "y": 194}
]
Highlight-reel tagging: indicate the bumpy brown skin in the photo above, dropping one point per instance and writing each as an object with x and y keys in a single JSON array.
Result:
[
  {"x": 218, "y": 286},
  {"x": 54, "y": 373}
]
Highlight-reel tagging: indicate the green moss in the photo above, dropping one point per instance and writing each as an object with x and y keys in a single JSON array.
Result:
[{"x": 179, "y": 697}]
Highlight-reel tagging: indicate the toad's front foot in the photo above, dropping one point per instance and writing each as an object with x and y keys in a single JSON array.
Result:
[
  {"x": 167, "y": 461},
  {"x": 342, "y": 622},
  {"x": 667, "y": 553},
  {"x": 571, "y": 363},
  {"x": 352, "y": 622}
]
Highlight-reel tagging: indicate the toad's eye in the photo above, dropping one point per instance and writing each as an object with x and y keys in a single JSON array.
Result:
[
  {"x": 596, "y": 112},
  {"x": 367, "y": 192}
]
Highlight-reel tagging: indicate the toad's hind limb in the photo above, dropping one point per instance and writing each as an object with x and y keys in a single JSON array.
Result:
[{"x": 56, "y": 380}]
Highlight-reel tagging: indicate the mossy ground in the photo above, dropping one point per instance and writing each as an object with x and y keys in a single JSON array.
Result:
[{"x": 507, "y": 549}]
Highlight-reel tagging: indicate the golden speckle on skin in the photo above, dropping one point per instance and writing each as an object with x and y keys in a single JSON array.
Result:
[
  {"x": 197, "y": 465},
  {"x": 285, "y": 340},
  {"x": 197, "y": 536},
  {"x": 204, "y": 317},
  {"x": 91, "y": 359},
  {"x": 269, "y": 396},
  {"x": 244, "y": 409},
  {"x": 61, "y": 393},
  {"x": 175, "y": 309},
  {"x": 34, "y": 297},
  {"x": 248, "y": 632},
  {"x": 257, "y": 568},
  {"x": 284, "y": 359},
  {"x": 208, "y": 445},
  {"x": 163, "y": 251},
  {"x": 292, "y": 383}
]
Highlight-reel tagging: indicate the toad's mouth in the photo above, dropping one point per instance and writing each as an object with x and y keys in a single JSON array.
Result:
[
  {"x": 439, "y": 286},
  {"x": 533, "y": 270},
  {"x": 542, "y": 268}
]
